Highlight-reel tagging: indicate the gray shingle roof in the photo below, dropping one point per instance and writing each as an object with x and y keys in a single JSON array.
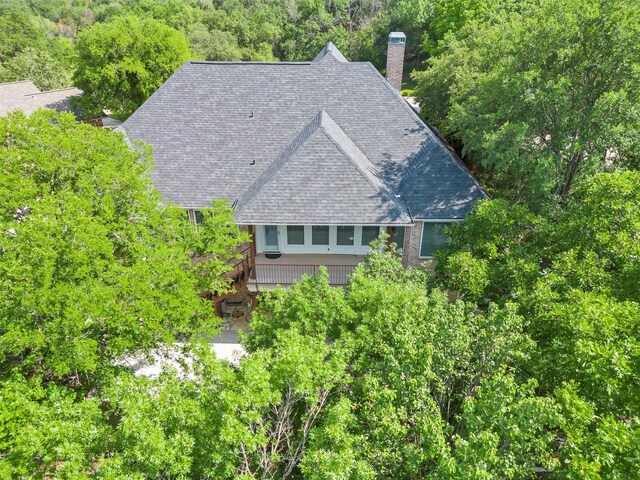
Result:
[
  {"x": 330, "y": 52},
  {"x": 322, "y": 159},
  {"x": 211, "y": 120},
  {"x": 25, "y": 96}
]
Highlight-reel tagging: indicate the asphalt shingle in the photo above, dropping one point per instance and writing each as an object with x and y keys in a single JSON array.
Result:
[
  {"x": 330, "y": 52},
  {"x": 320, "y": 160},
  {"x": 216, "y": 127},
  {"x": 25, "y": 96}
]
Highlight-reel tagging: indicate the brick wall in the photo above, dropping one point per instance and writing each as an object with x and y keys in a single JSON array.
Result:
[
  {"x": 411, "y": 249},
  {"x": 395, "y": 64}
]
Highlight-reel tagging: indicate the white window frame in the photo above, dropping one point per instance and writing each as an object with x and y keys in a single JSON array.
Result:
[
  {"x": 260, "y": 237},
  {"x": 309, "y": 248},
  {"x": 448, "y": 220},
  {"x": 192, "y": 213},
  {"x": 313, "y": 245}
]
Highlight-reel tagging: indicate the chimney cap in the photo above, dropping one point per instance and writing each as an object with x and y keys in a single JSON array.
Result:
[{"x": 397, "y": 37}]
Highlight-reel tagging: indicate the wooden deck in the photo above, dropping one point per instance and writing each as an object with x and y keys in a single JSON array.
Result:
[
  {"x": 268, "y": 273},
  {"x": 239, "y": 274}
]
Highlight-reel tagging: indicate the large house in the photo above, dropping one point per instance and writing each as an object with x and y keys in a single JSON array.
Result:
[{"x": 316, "y": 157}]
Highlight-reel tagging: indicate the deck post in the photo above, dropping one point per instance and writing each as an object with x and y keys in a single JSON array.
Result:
[{"x": 252, "y": 250}]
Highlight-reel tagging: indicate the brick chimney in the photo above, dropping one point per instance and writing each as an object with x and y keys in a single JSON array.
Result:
[{"x": 395, "y": 58}]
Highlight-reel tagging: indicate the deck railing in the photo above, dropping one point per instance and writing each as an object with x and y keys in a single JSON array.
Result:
[
  {"x": 238, "y": 273},
  {"x": 279, "y": 274},
  {"x": 240, "y": 267}
]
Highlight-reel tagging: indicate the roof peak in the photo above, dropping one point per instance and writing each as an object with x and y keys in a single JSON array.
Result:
[
  {"x": 330, "y": 52},
  {"x": 357, "y": 157},
  {"x": 323, "y": 122}
]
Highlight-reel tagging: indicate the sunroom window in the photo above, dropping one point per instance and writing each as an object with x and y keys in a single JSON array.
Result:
[
  {"x": 320, "y": 235},
  {"x": 369, "y": 234},
  {"x": 301, "y": 239},
  {"x": 433, "y": 238},
  {"x": 345, "y": 235},
  {"x": 295, "y": 235}
]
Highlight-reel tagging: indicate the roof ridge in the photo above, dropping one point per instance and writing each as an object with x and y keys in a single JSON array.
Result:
[
  {"x": 422, "y": 123},
  {"x": 357, "y": 157},
  {"x": 51, "y": 91},
  {"x": 342, "y": 142},
  {"x": 268, "y": 173},
  {"x": 18, "y": 81},
  {"x": 240, "y": 62}
]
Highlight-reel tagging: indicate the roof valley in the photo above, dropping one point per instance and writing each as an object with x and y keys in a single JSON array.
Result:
[
  {"x": 212, "y": 120},
  {"x": 349, "y": 151}
]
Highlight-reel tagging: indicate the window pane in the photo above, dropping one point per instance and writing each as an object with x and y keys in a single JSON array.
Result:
[
  {"x": 295, "y": 235},
  {"x": 320, "y": 235},
  {"x": 345, "y": 235},
  {"x": 397, "y": 236},
  {"x": 199, "y": 217},
  {"x": 271, "y": 237},
  {"x": 369, "y": 234},
  {"x": 433, "y": 238}
]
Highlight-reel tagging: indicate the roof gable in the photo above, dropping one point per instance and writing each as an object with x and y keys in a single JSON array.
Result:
[
  {"x": 330, "y": 52},
  {"x": 217, "y": 126},
  {"x": 321, "y": 163}
]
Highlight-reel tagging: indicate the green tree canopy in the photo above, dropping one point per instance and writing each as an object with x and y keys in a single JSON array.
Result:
[
  {"x": 574, "y": 273},
  {"x": 122, "y": 62},
  {"x": 591, "y": 244},
  {"x": 426, "y": 378},
  {"x": 28, "y": 53},
  {"x": 386, "y": 379},
  {"x": 542, "y": 97},
  {"x": 382, "y": 380},
  {"x": 92, "y": 266}
]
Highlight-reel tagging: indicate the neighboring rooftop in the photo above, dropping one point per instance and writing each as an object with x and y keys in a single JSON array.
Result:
[
  {"x": 25, "y": 96},
  {"x": 225, "y": 130}
]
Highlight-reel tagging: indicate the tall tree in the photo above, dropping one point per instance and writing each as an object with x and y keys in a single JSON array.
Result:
[
  {"x": 574, "y": 274},
  {"x": 427, "y": 378},
  {"x": 28, "y": 53},
  {"x": 122, "y": 62},
  {"x": 543, "y": 97},
  {"x": 92, "y": 266}
]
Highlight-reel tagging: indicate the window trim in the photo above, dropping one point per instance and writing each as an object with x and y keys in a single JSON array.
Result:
[
  {"x": 192, "y": 214},
  {"x": 443, "y": 220},
  {"x": 362, "y": 231},
  {"x": 304, "y": 236},
  {"x": 261, "y": 234},
  {"x": 308, "y": 247},
  {"x": 328, "y": 227},
  {"x": 353, "y": 239}
]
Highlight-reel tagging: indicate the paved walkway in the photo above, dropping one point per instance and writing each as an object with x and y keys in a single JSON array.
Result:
[{"x": 226, "y": 346}]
